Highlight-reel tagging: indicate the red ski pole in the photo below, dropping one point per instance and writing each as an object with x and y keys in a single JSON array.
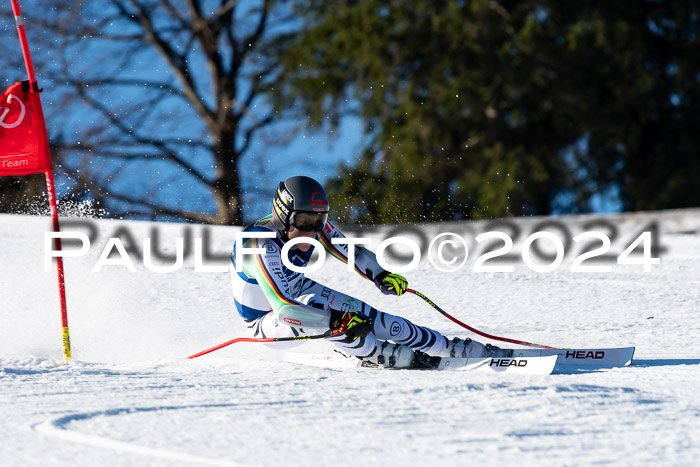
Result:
[
  {"x": 265, "y": 339},
  {"x": 475, "y": 331}
]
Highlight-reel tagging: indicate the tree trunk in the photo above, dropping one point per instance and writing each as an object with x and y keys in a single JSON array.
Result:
[{"x": 227, "y": 189}]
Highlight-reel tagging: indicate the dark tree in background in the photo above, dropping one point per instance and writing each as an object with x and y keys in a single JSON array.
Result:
[
  {"x": 472, "y": 108},
  {"x": 154, "y": 102},
  {"x": 484, "y": 108}
]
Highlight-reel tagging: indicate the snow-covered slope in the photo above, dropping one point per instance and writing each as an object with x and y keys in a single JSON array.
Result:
[{"x": 131, "y": 398}]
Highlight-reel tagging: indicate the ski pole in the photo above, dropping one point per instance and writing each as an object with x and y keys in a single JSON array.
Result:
[
  {"x": 475, "y": 331},
  {"x": 328, "y": 333}
]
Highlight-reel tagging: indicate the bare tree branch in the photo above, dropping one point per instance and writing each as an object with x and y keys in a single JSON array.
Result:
[
  {"x": 175, "y": 12},
  {"x": 251, "y": 41},
  {"x": 137, "y": 82},
  {"x": 177, "y": 62},
  {"x": 251, "y": 131},
  {"x": 207, "y": 40},
  {"x": 224, "y": 9},
  {"x": 160, "y": 145}
]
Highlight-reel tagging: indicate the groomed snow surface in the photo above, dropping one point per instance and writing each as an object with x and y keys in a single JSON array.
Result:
[{"x": 129, "y": 397}]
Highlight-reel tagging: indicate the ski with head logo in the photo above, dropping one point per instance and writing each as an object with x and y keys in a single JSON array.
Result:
[
  {"x": 523, "y": 365},
  {"x": 587, "y": 359}
]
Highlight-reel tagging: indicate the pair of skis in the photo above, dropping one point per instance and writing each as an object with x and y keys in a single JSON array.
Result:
[
  {"x": 539, "y": 360},
  {"x": 523, "y": 361}
]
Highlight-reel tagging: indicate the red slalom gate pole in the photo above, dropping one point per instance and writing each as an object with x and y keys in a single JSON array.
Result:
[
  {"x": 50, "y": 185},
  {"x": 51, "y": 188},
  {"x": 25, "y": 44},
  {"x": 475, "y": 331}
]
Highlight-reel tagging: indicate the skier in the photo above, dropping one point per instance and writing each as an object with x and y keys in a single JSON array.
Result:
[{"x": 275, "y": 301}]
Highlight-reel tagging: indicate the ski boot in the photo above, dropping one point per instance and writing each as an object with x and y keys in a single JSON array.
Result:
[
  {"x": 467, "y": 348},
  {"x": 388, "y": 355},
  {"x": 423, "y": 361},
  {"x": 493, "y": 351},
  {"x": 458, "y": 348}
]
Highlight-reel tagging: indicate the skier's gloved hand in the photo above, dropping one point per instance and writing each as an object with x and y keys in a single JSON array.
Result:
[
  {"x": 390, "y": 283},
  {"x": 353, "y": 325}
]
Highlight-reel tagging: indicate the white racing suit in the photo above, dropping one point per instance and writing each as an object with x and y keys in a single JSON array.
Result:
[{"x": 275, "y": 301}]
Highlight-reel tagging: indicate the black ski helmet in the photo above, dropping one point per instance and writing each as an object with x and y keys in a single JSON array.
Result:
[{"x": 299, "y": 194}]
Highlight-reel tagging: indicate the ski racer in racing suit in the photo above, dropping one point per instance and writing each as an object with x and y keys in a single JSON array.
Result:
[{"x": 275, "y": 301}]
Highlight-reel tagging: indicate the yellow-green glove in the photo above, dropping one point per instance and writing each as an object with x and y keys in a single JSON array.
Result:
[{"x": 390, "y": 283}]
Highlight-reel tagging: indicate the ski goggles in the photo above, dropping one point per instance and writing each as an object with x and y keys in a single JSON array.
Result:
[{"x": 308, "y": 221}]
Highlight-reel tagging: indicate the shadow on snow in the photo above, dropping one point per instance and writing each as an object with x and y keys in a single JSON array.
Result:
[{"x": 666, "y": 362}]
